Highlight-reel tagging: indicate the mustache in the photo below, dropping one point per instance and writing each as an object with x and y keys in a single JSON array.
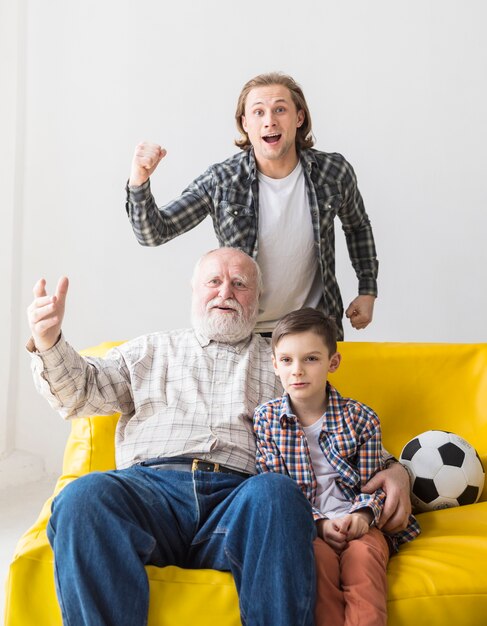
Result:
[{"x": 229, "y": 303}]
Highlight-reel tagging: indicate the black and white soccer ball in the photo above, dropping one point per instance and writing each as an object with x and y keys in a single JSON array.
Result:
[{"x": 445, "y": 470}]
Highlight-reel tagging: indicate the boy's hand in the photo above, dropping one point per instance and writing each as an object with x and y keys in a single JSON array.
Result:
[
  {"x": 337, "y": 532},
  {"x": 330, "y": 532},
  {"x": 359, "y": 524}
]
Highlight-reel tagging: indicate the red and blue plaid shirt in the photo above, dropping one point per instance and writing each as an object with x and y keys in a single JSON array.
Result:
[{"x": 350, "y": 440}]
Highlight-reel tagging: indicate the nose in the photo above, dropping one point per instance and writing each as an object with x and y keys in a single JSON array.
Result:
[
  {"x": 269, "y": 119},
  {"x": 225, "y": 290},
  {"x": 297, "y": 369}
]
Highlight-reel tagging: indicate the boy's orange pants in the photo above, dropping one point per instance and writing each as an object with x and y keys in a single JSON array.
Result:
[{"x": 352, "y": 587}]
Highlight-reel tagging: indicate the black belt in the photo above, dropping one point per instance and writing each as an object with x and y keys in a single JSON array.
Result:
[{"x": 182, "y": 464}]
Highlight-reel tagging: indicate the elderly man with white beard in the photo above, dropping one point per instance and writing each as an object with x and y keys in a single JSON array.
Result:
[{"x": 185, "y": 491}]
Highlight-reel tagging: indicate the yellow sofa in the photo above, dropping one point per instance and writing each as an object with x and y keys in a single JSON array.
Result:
[{"x": 440, "y": 578}]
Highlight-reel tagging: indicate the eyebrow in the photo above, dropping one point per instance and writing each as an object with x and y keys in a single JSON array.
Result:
[
  {"x": 273, "y": 102},
  {"x": 306, "y": 354},
  {"x": 241, "y": 277}
]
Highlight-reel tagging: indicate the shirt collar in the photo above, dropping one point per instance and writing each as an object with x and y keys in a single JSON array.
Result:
[
  {"x": 204, "y": 341},
  {"x": 332, "y": 419},
  {"x": 307, "y": 158},
  {"x": 252, "y": 164},
  {"x": 285, "y": 412}
]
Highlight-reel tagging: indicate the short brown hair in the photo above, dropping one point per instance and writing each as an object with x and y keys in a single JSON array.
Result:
[
  {"x": 304, "y": 136},
  {"x": 303, "y": 320}
]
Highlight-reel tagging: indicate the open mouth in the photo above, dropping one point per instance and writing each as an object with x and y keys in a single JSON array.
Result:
[{"x": 274, "y": 138}]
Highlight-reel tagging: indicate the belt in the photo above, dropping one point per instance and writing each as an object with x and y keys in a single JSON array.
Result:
[{"x": 191, "y": 465}]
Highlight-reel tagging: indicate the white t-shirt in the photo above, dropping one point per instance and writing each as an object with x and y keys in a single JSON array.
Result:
[
  {"x": 287, "y": 255},
  {"x": 329, "y": 499}
]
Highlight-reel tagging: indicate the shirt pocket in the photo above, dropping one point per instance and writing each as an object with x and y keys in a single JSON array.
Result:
[
  {"x": 235, "y": 225},
  {"x": 330, "y": 200}
]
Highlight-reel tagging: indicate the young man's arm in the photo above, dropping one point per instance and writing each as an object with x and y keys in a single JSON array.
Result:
[
  {"x": 361, "y": 249},
  {"x": 155, "y": 226}
]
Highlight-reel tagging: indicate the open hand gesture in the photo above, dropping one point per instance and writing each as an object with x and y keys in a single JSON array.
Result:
[{"x": 46, "y": 313}]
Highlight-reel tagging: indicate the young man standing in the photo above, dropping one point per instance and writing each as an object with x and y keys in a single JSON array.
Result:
[{"x": 276, "y": 200}]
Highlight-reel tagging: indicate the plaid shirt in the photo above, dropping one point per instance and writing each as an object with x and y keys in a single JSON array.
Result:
[
  {"x": 229, "y": 193},
  {"x": 179, "y": 394},
  {"x": 350, "y": 440}
]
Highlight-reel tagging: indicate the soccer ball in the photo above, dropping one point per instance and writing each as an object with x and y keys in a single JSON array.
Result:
[{"x": 445, "y": 470}]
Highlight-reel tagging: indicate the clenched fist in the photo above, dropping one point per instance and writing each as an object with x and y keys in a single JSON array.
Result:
[
  {"x": 147, "y": 157},
  {"x": 360, "y": 311},
  {"x": 46, "y": 313}
]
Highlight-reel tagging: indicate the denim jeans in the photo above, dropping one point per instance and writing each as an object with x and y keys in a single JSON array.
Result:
[{"x": 106, "y": 526}]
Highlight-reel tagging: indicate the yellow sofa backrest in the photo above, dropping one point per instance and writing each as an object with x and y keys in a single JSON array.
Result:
[{"x": 413, "y": 387}]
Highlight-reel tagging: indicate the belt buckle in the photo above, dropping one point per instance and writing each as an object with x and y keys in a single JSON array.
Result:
[{"x": 194, "y": 465}]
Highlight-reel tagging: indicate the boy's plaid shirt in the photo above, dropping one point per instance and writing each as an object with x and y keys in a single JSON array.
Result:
[{"x": 350, "y": 440}]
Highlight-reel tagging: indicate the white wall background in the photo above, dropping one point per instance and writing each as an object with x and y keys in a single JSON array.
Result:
[{"x": 398, "y": 87}]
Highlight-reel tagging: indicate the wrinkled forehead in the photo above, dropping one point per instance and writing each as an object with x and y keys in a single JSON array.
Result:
[{"x": 227, "y": 265}]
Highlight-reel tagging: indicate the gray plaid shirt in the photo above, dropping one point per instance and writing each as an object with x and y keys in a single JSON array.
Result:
[
  {"x": 179, "y": 394},
  {"x": 229, "y": 193}
]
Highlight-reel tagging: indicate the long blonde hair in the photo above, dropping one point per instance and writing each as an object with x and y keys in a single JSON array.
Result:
[{"x": 304, "y": 137}]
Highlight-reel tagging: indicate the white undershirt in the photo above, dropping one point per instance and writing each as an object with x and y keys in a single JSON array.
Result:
[
  {"x": 329, "y": 499},
  {"x": 287, "y": 254}
]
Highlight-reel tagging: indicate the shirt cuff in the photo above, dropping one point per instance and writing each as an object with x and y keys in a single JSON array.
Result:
[
  {"x": 138, "y": 193},
  {"x": 51, "y": 358},
  {"x": 367, "y": 287}
]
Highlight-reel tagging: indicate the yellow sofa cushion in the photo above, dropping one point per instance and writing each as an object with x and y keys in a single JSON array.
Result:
[{"x": 438, "y": 579}]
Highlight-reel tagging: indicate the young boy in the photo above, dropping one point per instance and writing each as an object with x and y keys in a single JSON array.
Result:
[{"x": 331, "y": 446}]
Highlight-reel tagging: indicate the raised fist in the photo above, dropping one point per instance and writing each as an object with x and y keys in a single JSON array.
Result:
[{"x": 147, "y": 157}]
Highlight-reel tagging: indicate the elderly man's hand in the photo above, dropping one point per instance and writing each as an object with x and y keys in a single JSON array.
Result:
[
  {"x": 360, "y": 311},
  {"x": 46, "y": 313},
  {"x": 397, "y": 507},
  {"x": 147, "y": 157}
]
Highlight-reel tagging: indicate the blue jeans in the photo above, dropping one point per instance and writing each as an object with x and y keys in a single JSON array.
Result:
[{"x": 106, "y": 526}]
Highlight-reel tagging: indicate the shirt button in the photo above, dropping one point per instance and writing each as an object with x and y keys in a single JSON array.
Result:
[
  {"x": 235, "y": 212},
  {"x": 329, "y": 206}
]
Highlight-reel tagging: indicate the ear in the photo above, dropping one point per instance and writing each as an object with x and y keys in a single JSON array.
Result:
[
  {"x": 335, "y": 361},
  {"x": 300, "y": 118},
  {"x": 274, "y": 363},
  {"x": 244, "y": 123}
]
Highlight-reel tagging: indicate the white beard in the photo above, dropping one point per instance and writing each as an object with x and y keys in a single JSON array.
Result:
[{"x": 225, "y": 327}]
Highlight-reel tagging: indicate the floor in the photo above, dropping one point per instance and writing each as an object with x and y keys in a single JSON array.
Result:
[{"x": 19, "y": 508}]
